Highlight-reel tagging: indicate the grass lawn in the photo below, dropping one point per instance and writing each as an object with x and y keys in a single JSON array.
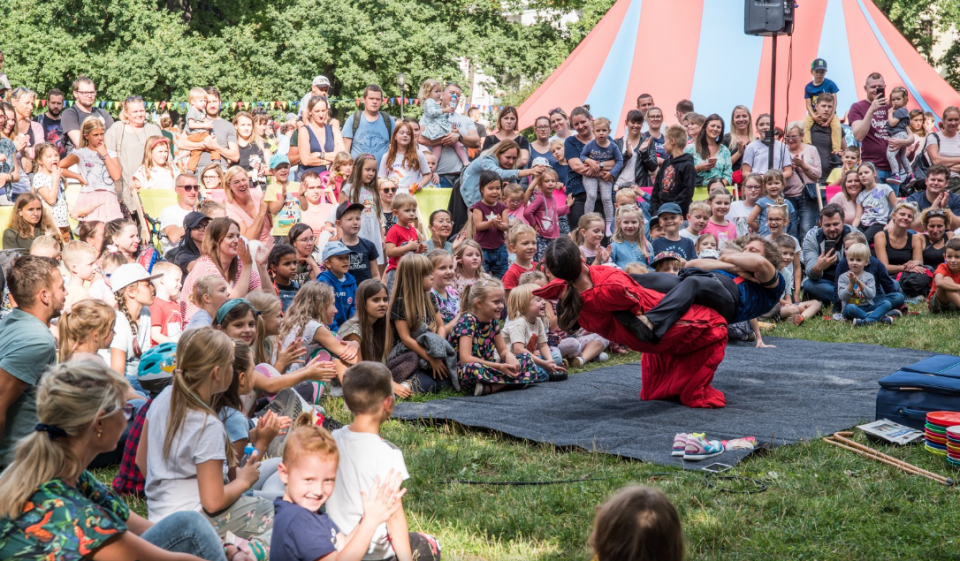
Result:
[{"x": 821, "y": 502}]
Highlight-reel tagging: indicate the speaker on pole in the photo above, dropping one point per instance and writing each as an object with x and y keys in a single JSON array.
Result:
[{"x": 768, "y": 17}]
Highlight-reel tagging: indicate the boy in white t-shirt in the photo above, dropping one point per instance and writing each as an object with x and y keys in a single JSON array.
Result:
[{"x": 364, "y": 457}]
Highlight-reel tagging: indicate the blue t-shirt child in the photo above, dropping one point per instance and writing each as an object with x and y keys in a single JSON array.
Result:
[
  {"x": 811, "y": 92},
  {"x": 765, "y": 202},
  {"x": 682, "y": 247},
  {"x": 600, "y": 155},
  {"x": 363, "y": 253},
  {"x": 300, "y": 534}
]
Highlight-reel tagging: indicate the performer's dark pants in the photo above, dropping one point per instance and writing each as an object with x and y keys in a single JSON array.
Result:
[{"x": 692, "y": 286}]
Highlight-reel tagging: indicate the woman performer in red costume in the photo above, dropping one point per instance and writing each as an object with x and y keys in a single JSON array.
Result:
[{"x": 686, "y": 354}]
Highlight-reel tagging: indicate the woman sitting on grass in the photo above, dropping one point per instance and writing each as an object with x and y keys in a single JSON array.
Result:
[{"x": 52, "y": 508}]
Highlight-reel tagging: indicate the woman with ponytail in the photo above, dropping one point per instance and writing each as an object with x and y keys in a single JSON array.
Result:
[
  {"x": 51, "y": 507},
  {"x": 681, "y": 364},
  {"x": 184, "y": 446}
]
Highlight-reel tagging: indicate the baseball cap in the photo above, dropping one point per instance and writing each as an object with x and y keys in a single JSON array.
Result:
[
  {"x": 278, "y": 160},
  {"x": 540, "y": 161},
  {"x": 665, "y": 255},
  {"x": 128, "y": 274},
  {"x": 332, "y": 249},
  {"x": 818, "y": 64},
  {"x": 321, "y": 82},
  {"x": 193, "y": 219},
  {"x": 669, "y": 208},
  {"x": 345, "y": 206}
]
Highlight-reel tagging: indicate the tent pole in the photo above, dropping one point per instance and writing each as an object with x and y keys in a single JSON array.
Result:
[{"x": 773, "y": 96}]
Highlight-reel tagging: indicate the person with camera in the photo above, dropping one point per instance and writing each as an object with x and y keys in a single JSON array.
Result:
[
  {"x": 868, "y": 119},
  {"x": 822, "y": 250}
]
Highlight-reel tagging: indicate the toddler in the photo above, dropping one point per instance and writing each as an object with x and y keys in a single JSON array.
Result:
[
  {"x": 513, "y": 197},
  {"x": 437, "y": 108},
  {"x": 48, "y": 184},
  {"x": 80, "y": 259},
  {"x": 199, "y": 126},
  {"x": 545, "y": 209},
  {"x": 100, "y": 288},
  {"x": 165, "y": 319},
  {"x": 490, "y": 221},
  {"x": 897, "y": 121},
  {"x": 209, "y": 293},
  {"x": 858, "y": 291},
  {"x": 597, "y": 152}
]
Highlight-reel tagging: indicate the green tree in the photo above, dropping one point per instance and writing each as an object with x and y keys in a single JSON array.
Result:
[{"x": 921, "y": 22}]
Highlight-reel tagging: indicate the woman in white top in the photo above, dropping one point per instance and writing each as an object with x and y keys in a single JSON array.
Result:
[
  {"x": 404, "y": 164},
  {"x": 944, "y": 147}
]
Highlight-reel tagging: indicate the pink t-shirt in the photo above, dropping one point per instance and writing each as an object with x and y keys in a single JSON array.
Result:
[
  {"x": 237, "y": 213},
  {"x": 849, "y": 207},
  {"x": 205, "y": 266},
  {"x": 723, "y": 233}
]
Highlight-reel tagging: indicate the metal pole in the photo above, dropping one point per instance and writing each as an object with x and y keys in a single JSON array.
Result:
[{"x": 773, "y": 97}]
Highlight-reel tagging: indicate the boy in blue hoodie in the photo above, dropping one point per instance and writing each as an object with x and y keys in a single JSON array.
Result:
[{"x": 336, "y": 259}]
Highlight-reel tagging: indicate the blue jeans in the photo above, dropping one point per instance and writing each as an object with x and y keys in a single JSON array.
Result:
[
  {"x": 806, "y": 216},
  {"x": 542, "y": 374},
  {"x": 870, "y": 313},
  {"x": 187, "y": 532},
  {"x": 495, "y": 261},
  {"x": 820, "y": 289}
]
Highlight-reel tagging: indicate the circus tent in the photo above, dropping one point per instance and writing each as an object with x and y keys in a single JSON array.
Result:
[{"x": 696, "y": 49}]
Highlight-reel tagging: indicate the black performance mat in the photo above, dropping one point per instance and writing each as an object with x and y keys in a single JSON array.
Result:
[{"x": 799, "y": 390}]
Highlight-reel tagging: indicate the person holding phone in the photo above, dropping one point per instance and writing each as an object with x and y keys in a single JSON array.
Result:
[
  {"x": 711, "y": 158},
  {"x": 822, "y": 250},
  {"x": 868, "y": 119}
]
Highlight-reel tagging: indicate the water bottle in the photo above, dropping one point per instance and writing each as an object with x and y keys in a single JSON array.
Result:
[
  {"x": 453, "y": 100},
  {"x": 248, "y": 452}
]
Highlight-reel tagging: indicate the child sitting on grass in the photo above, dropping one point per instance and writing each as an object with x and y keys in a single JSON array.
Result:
[
  {"x": 365, "y": 459},
  {"x": 309, "y": 472},
  {"x": 858, "y": 291},
  {"x": 800, "y": 311},
  {"x": 525, "y": 332},
  {"x": 639, "y": 524},
  {"x": 522, "y": 242},
  {"x": 945, "y": 293},
  {"x": 336, "y": 259}
]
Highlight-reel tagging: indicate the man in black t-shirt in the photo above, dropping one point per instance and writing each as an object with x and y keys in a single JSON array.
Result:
[
  {"x": 85, "y": 94},
  {"x": 50, "y": 121}
]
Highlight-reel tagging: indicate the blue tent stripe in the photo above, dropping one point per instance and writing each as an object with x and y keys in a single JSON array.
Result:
[
  {"x": 893, "y": 59},
  {"x": 835, "y": 49},
  {"x": 607, "y": 96},
  {"x": 719, "y": 85}
]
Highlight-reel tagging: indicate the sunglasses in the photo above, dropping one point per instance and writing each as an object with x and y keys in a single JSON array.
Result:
[
  {"x": 190, "y": 187},
  {"x": 388, "y": 190},
  {"x": 938, "y": 213}
]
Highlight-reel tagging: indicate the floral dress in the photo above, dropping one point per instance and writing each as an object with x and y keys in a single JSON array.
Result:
[
  {"x": 448, "y": 305},
  {"x": 484, "y": 347},
  {"x": 62, "y": 522}
]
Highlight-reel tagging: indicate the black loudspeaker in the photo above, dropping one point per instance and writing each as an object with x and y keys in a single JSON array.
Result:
[{"x": 768, "y": 17}]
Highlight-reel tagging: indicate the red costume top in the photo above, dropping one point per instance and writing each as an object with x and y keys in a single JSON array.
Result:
[{"x": 682, "y": 364}]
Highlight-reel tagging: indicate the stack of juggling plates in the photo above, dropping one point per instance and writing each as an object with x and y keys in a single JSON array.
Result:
[
  {"x": 953, "y": 446},
  {"x": 937, "y": 440}
]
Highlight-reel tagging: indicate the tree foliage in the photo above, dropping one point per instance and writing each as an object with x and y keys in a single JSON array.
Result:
[{"x": 921, "y": 23}]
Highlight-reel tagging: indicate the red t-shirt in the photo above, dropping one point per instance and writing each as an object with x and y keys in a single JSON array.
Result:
[
  {"x": 942, "y": 269},
  {"x": 398, "y": 235},
  {"x": 165, "y": 315},
  {"x": 512, "y": 277}
]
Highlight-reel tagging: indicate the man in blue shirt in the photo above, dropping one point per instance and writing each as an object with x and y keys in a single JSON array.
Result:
[
  {"x": 27, "y": 347},
  {"x": 373, "y": 131}
]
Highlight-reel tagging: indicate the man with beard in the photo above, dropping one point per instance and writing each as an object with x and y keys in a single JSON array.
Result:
[
  {"x": 128, "y": 139},
  {"x": 50, "y": 121},
  {"x": 27, "y": 346},
  {"x": 85, "y": 94}
]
